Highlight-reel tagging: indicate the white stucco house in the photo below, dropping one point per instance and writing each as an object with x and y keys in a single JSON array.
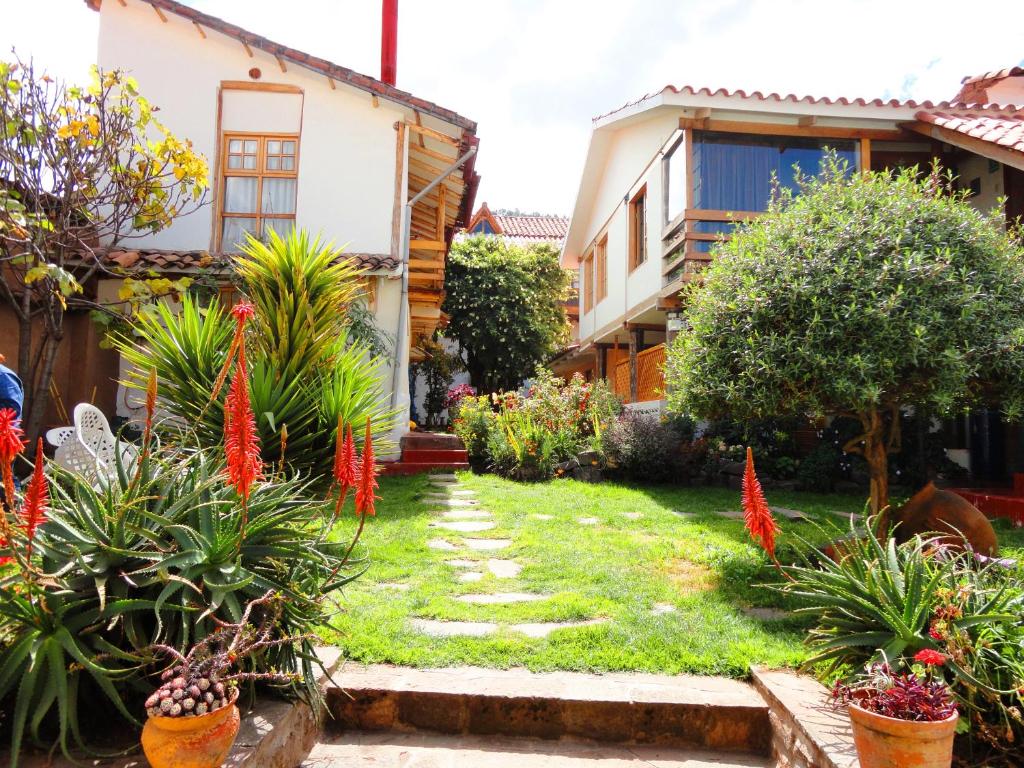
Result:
[
  {"x": 294, "y": 140},
  {"x": 672, "y": 172}
]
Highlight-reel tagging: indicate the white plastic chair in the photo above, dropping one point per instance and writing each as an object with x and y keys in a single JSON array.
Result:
[
  {"x": 58, "y": 435},
  {"x": 91, "y": 452}
]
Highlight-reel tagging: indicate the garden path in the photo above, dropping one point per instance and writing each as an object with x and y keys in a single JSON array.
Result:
[{"x": 458, "y": 511}]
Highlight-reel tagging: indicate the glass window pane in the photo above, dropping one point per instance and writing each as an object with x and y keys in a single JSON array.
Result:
[
  {"x": 282, "y": 226},
  {"x": 288, "y": 163},
  {"x": 273, "y": 147},
  {"x": 235, "y": 145},
  {"x": 234, "y": 232},
  {"x": 240, "y": 194},
  {"x": 289, "y": 147},
  {"x": 250, "y": 146},
  {"x": 733, "y": 172},
  {"x": 273, "y": 163},
  {"x": 278, "y": 196},
  {"x": 234, "y": 161},
  {"x": 250, "y": 162}
]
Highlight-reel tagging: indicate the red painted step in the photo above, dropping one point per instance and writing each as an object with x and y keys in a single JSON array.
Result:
[
  {"x": 427, "y": 451},
  {"x": 420, "y": 456}
]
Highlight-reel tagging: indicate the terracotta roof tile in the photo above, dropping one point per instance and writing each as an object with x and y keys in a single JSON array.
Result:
[
  {"x": 998, "y": 74},
  {"x": 327, "y": 68},
  {"x": 1001, "y": 128},
  {"x": 190, "y": 261},
  {"x": 688, "y": 90},
  {"x": 548, "y": 228}
]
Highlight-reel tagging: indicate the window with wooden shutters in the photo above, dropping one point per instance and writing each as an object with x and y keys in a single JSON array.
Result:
[
  {"x": 588, "y": 282},
  {"x": 638, "y": 229},
  {"x": 601, "y": 268},
  {"x": 259, "y": 178}
]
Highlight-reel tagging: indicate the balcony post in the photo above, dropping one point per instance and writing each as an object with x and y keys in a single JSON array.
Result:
[
  {"x": 601, "y": 357},
  {"x": 636, "y": 340}
]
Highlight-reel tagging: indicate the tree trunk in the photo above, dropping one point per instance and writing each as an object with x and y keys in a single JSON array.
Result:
[{"x": 38, "y": 393}]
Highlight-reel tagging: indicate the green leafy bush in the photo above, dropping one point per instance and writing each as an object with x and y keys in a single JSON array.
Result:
[
  {"x": 642, "y": 447},
  {"x": 520, "y": 447},
  {"x": 472, "y": 421},
  {"x": 306, "y": 371}
]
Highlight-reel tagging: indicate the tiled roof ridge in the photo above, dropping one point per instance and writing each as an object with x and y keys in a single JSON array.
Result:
[
  {"x": 172, "y": 259},
  {"x": 996, "y": 74},
  {"x": 806, "y": 99},
  {"x": 315, "y": 63}
]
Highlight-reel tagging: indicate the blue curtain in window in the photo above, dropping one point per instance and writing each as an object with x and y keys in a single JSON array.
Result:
[{"x": 733, "y": 172}]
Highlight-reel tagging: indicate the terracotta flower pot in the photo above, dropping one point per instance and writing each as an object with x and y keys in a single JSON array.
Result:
[
  {"x": 202, "y": 741},
  {"x": 885, "y": 742}
]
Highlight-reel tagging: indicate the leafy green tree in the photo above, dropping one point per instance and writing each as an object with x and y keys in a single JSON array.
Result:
[
  {"x": 505, "y": 304},
  {"x": 79, "y": 167},
  {"x": 860, "y": 296}
]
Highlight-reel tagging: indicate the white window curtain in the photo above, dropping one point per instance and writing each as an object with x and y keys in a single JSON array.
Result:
[{"x": 278, "y": 195}]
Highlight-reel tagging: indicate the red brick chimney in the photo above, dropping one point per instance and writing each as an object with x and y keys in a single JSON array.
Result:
[{"x": 389, "y": 41}]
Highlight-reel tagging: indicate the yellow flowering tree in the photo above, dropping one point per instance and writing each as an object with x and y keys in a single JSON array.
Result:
[{"x": 80, "y": 168}]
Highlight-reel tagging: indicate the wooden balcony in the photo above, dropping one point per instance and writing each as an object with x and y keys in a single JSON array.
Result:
[
  {"x": 650, "y": 375},
  {"x": 682, "y": 257}
]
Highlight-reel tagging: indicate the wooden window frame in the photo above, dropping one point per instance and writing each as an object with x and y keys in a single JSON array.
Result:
[
  {"x": 260, "y": 172},
  {"x": 601, "y": 269},
  {"x": 588, "y": 281},
  {"x": 638, "y": 229}
]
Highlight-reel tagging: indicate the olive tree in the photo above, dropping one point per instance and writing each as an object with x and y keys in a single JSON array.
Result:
[
  {"x": 858, "y": 296},
  {"x": 80, "y": 168}
]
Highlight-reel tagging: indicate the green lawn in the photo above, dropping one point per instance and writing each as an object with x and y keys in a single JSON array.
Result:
[{"x": 617, "y": 570}]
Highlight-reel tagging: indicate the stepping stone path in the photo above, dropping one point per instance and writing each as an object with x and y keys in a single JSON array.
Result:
[
  {"x": 465, "y": 514},
  {"x": 632, "y": 515},
  {"x": 684, "y": 515},
  {"x": 459, "y": 512},
  {"x": 396, "y": 587},
  {"x": 767, "y": 614},
  {"x": 660, "y": 609},
  {"x": 789, "y": 514},
  {"x": 466, "y": 526}
]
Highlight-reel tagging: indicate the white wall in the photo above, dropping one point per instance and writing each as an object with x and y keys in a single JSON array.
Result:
[
  {"x": 980, "y": 168},
  {"x": 347, "y": 147},
  {"x": 631, "y": 149}
]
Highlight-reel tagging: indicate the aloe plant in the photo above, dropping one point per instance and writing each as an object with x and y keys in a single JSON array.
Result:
[{"x": 306, "y": 370}]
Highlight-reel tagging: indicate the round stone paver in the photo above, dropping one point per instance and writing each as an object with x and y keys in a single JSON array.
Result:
[
  {"x": 462, "y": 563},
  {"x": 487, "y": 544},
  {"x": 504, "y": 569},
  {"x": 441, "y": 544},
  {"x": 454, "y": 491},
  {"x": 470, "y": 576},
  {"x": 466, "y": 526},
  {"x": 632, "y": 515},
  {"x": 466, "y": 514},
  {"x": 444, "y": 501},
  {"x": 587, "y": 520},
  {"x": 539, "y": 516},
  {"x": 660, "y": 609},
  {"x": 545, "y": 628},
  {"x": 501, "y": 598},
  {"x": 395, "y": 586}
]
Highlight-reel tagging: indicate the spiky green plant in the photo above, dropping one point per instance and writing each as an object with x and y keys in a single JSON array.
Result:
[{"x": 305, "y": 370}]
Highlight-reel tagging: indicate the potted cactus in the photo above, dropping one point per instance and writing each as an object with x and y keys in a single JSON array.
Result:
[
  {"x": 192, "y": 718},
  {"x": 901, "y": 719}
]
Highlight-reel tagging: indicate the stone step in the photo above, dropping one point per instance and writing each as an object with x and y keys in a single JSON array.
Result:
[
  {"x": 418, "y": 467},
  {"x": 432, "y": 750},
  {"x": 668, "y": 711}
]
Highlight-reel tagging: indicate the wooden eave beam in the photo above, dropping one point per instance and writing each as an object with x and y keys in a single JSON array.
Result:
[
  {"x": 422, "y": 130},
  {"x": 159, "y": 13},
  {"x": 200, "y": 30},
  {"x": 789, "y": 129},
  {"x": 969, "y": 143},
  {"x": 280, "y": 63}
]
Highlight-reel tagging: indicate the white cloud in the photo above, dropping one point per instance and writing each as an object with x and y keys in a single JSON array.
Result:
[{"x": 534, "y": 72}]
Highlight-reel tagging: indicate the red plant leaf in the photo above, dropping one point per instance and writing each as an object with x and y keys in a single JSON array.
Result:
[{"x": 756, "y": 514}]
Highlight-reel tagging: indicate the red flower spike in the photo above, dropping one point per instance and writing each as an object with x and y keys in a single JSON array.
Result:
[
  {"x": 37, "y": 499},
  {"x": 930, "y": 658},
  {"x": 365, "y": 499},
  {"x": 242, "y": 311},
  {"x": 241, "y": 440},
  {"x": 344, "y": 463},
  {"x": 12, "y": 443},
  {"x": 756, "y": 514}
]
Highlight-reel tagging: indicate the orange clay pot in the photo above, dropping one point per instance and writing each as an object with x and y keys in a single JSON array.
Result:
[
  {"x": 202, "y": 741},
  {"x": 885, "y": 742}
]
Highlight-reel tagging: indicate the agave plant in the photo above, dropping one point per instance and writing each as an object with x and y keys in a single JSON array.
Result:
[{"x": 306, "y": 370}]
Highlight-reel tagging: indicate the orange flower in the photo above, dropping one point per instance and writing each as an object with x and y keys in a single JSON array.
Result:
[
  {"x": 365, "y": 499},
  {"x": 756, "y": 513},
  {"x": 12, "y": 443},
  {"x": 241, "y": 440},
  {"x": 242, "y": 311},
  {"x": 344, "y": 463},
  {"x": 37, "y": 499}
]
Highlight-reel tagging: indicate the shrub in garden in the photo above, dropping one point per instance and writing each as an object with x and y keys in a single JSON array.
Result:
[
  {"x": 642, "y": 447},
  {"x": 306, "y": 374},
  {"x": 520, "y": 447},
  {"x": 472, "y": 420}
]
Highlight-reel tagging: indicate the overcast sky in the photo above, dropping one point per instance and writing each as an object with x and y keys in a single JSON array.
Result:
[{"x": 533, "y": 73}]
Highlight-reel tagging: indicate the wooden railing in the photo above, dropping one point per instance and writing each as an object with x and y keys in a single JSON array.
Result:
[
  {"x": 650, "y": 374},
  {"x": 680, "y": 257}
]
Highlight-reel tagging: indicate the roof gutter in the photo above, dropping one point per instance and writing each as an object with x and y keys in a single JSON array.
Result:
[{"x": 403, "y": 307}]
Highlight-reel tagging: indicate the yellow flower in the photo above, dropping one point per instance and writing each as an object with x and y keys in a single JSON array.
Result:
[{"x": 412, "y": 426}]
